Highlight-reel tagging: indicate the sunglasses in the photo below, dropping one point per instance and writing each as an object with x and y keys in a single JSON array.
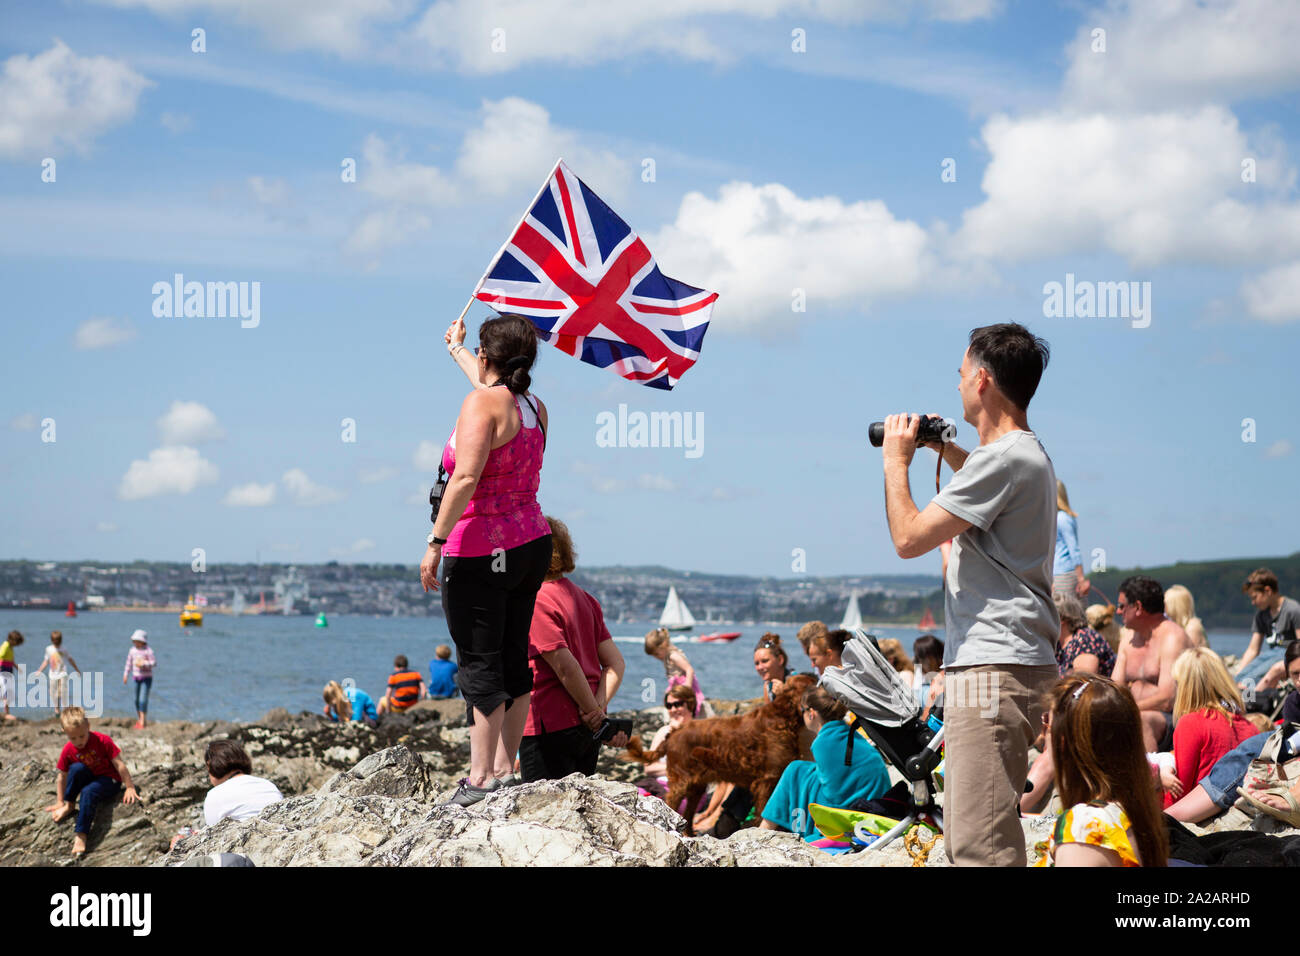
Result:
[{"x": 674, "y": 704}]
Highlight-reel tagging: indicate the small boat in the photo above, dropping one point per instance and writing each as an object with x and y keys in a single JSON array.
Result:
[
  {"x": 852, "y": 614},
  {"x": 191, "y": 616},
  {"x": 927, "y": 621},
  {"x": 676, "y": 615},
  {"x": 720, "y": 636},
  {"x": 72, "y": 609},
  {"x": 320, "y": 620}
]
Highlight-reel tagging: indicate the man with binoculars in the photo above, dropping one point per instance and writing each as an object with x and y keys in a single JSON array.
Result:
[{"x": 1001, "y": 623}]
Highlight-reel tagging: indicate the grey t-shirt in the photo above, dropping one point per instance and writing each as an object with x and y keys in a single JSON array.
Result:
[
  {"x": 1283, "y": 626},
  {"x": 998, "y": 598}
]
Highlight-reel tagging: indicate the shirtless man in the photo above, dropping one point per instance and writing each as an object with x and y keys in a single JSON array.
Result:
[{"x": 1146, "y": 657}]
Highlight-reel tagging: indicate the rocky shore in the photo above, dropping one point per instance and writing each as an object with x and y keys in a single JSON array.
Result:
[{"x": 372, "y": 797}]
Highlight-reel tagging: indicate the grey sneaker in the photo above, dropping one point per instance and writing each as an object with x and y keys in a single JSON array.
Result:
[
  {"x": 510, "y": 780},
  {"x": 467, "y": 794}
]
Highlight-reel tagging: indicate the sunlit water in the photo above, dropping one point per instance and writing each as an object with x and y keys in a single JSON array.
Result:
[{"x": 239, "y": 668}]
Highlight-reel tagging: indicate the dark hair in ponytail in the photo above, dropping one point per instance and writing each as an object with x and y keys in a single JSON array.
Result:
[{"x": 509, "y": 342}]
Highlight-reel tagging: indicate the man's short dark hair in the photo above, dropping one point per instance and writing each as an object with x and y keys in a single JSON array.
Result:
[
  {"x": 400, "y": 662},
  {"x": 1259, "y": 580},
  {"x": 226, "y": 756},
  {"x": 1014, "y": 356},
  {"x": 1146, "y": 591}
]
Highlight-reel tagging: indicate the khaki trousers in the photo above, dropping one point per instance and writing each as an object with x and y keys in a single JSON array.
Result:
[{"x": 991, "y": 716}]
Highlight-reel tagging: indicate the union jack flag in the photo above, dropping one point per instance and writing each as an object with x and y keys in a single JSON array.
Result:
[{"x": 590, "y": 285}]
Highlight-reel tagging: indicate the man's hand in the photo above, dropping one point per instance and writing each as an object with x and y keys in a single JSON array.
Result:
[
  {"x": 130, "y": 796},
  {"x": 899, "y": 445}
]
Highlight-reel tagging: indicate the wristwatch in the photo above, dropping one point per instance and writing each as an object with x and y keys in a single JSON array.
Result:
[{"x": 434, "y": 539}]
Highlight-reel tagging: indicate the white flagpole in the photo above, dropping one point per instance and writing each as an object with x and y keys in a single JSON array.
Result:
[{"x": 495, "y": 259}]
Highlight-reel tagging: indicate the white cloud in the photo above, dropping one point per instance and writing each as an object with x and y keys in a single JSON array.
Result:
[
  {"x": 174, "y": 470},
  {"x": 251, "y": 495},
  {"x": 176, "y": 123},
  {"x": 755, "y": 245},
  {"x": 57, "y": 100},
  {"x": 420, "y": 496},
  {"x": 460, "y": 33},
  {"x": 508, "y": 153},
  {"x": 105, "y": 527},
  {"x": 371, "y": 476},
  {"x": 102, "y": 333},
  {"x": 1279, "y": 449},
  {"x": 650, "y": 482},
  {"x": 1182, "y": 52},
  {"x": 427, "y": 457},
  {"x": 1152, "y": 188},
  {"x": 188, "y": 423},
  {"x": 269, "y": 192},
  {"x": 26, "y": 422},
  {"x": 1274, "y": 295},
  {"x": 345, "y": 27},
  {"x": 356, "y": 547},
  {"x": 306, "y": 492}
]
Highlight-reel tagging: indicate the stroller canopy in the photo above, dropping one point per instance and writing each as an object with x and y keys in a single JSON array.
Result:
[{"x": 868, "y": 685}]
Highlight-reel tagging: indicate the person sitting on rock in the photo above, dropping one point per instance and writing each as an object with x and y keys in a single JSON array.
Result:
[
  {"x": 405, "y": 687},
  {"x": 90, "y": 769},
  {"x": 235, "y": 792},
  {"x": 442, "y": 674},
  {"x": 349, "y": 703},
  {"x": 681, "y": 706},
  {"x": 837, "y": 776}
]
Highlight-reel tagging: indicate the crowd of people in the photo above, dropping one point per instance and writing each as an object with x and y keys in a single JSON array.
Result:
[{"x": 1129, "y": 709}]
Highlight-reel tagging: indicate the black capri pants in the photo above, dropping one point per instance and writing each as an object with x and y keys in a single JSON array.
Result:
[{"x": 488, "y": 602}]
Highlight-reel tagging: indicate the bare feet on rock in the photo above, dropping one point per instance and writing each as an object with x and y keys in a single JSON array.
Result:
[
  {"x": 79, "y": 845},
  {"x": 59, "y": 811}
]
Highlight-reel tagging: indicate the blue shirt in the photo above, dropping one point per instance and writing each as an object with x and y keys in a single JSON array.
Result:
[
  {"x": 442, "y": 677},
  {"x": 1067, "y": 544},
  {"x": 362, "y": 704}
]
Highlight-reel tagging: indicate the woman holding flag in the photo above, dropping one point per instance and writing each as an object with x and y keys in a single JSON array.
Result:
[{"x": 493, "y": 544}]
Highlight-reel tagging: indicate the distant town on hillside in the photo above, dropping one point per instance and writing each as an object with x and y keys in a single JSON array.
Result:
[{"x": 626, "y": 593}]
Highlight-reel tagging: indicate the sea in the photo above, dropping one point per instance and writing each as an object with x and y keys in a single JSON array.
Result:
[{"x": 238, "y": 668}]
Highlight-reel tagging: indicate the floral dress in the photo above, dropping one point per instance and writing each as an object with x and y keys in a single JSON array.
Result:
[
  {"x": 1085, "y": 641},
  {"x": 1096, "y": 824}
]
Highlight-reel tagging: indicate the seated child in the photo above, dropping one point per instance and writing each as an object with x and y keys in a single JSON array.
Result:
[
  {"x": 442, "y": 674},
  {"x": 405, "y": 687},
  {"x": 235, "y": 792},
  {"x": 677, "y": 668},
  {"x": 90, "y": 767}
]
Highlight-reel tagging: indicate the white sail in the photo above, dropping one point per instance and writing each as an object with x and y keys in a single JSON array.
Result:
[
  {"x": 852, "y": 615},
  {"x": 676, "y": 615}
]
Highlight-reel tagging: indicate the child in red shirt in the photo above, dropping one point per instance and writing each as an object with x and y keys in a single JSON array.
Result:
[{"x": 90, "y": 767}]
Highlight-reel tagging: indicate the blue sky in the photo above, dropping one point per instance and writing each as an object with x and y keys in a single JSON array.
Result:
[{"x": 775, "y": 171}]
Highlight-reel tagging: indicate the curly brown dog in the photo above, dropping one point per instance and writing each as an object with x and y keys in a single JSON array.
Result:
[{"x": 749, "y": 750}]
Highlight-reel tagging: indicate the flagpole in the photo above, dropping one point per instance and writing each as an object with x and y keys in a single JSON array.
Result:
[{"x": 529, "y": 208}]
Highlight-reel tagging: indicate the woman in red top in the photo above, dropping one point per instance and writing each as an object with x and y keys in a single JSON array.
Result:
[
  {"x": 1207, "y": 714},
  {"x": 576, "y": 670}
]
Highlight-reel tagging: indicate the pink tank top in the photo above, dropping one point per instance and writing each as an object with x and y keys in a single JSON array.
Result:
[{"x": 503, "y": 512}]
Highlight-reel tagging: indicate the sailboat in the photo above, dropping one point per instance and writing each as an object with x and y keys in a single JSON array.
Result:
[
  {"x": 852, "y": 614},
  {"x": 676, "y": 615},
  {"x": 927, "y": 621}
]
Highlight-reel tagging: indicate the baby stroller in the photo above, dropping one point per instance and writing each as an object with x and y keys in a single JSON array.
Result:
[{"x": 885, "y": 709}]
